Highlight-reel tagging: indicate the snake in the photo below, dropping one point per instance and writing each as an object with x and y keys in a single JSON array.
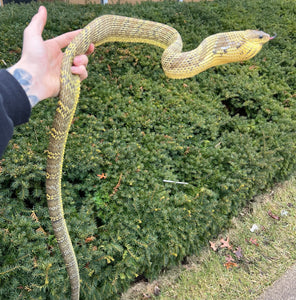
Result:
[{"x": 217, "y": 49}]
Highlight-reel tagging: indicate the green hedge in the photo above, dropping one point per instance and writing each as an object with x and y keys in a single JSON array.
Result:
[{"x": 229, "y": 133}]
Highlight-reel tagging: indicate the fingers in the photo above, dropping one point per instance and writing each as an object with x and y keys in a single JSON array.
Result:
[
  {"x": 79, "y": 66},
  {"x": 37, "y": 23},
  {"x": 64, "y": 40},
  {"x": 90, "y": 49},
  {"x": 80, "y": 63},
  {"x": 80, "y": 70},
  {"x": 80, "y": 60}
]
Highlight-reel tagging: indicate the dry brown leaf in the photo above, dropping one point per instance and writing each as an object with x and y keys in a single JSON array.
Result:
[
  {"x": 213, "y": 245},
  {"x": 89, "y": 239},
  {"x": 238, "y": 253},
  {"x": 41, "y": 230},
  {"x": 253, "y": 241},
  {"x": 34, "y": 216},
  {"x": 229, "y": 258},
  {"x": 102, "y": 176},
  {"x": 115, "y": 189},
  {"x": 225, "y": 244},
  {"x": 230, "y": 265},
  {"x": 35, "y": 264},
  {"x": 275, "y": 217}
]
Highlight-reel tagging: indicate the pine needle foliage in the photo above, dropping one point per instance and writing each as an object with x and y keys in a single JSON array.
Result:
[{"x": 229, "y": 133}]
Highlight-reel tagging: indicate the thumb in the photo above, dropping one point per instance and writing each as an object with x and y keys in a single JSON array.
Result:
[{"x": 37, "y": 23}]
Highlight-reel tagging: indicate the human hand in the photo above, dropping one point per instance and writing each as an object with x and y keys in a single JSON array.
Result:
[{"x": 38, "y": 70}]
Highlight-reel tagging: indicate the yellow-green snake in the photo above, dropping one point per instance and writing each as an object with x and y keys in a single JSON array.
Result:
[{"x": 215, "y": 50}]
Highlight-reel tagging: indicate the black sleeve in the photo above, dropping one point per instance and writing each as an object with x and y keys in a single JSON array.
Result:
[{"x": 15, "y": 107}]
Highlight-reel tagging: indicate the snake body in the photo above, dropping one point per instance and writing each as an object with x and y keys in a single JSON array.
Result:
[{"x": 215, "y": 50}]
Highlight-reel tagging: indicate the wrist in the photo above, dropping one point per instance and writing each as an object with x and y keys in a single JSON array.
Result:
[{"x": 28, "y": 82}]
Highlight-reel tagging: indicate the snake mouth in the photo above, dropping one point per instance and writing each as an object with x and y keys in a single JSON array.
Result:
[{"x": 273, "y": 37}]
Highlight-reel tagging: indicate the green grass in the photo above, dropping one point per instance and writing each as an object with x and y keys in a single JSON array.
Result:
[{"x": 206, "y": 277}]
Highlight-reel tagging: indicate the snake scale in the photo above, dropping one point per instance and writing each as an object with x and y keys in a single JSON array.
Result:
[{"x": 215, "y": 50}]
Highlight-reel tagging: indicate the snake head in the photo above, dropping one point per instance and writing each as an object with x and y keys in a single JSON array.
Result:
[
  {"x": 253, "y": 42},
  {"x": 257, "y": 37}
]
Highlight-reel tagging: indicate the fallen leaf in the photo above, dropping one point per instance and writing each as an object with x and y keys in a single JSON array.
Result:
[
  {"x": 230, "y": 265},
  {"x": 34, "y": 216},
  {"x": 17, "y": 50},
  {"x": 74, "y": 119},
  {"x": 273, "y": 215},
  {"x": 102, "y": 176},
  {"x": 253, "y": 241},
  {"x": 41, "y": 230},
  {"x": 213, "y": 245},
  {"x": 229, "y": 258},
  {"x": 35, "y": 263},
  {"x": 109, "y": 69},
  {"x": 115, "y": 189},
  {"x": 89, "y": 239},
  {"x": 252, "y": 67},
  {"x": 187, "y": 151},
  {"x": 225, "y": 244},
  {"x": 238, "y": 253}
]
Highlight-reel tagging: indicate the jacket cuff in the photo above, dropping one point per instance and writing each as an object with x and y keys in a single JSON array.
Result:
[{"x": 15, "y": 99}]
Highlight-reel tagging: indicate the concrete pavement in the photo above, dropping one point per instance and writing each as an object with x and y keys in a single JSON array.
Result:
[{"x": 283, "y": 289}]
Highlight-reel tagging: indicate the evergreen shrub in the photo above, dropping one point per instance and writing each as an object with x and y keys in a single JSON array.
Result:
[{"x": 228, "y": 132}]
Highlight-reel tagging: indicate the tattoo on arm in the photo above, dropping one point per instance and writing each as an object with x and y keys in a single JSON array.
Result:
[
  {"x": 25, "y": 80},
  {"x": 33, "y": 100}
]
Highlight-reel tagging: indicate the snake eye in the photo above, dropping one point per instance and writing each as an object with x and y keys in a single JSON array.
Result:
[{"x": 260, "y": 36}]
